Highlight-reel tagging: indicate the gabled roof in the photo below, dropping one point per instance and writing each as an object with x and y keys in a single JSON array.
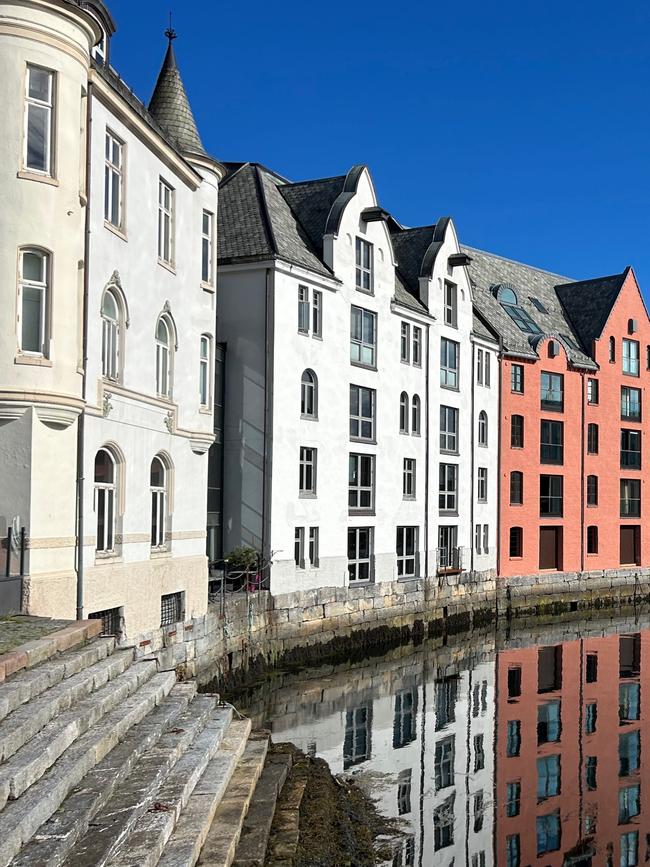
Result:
[
  {"x": 170, "y": 107},
  {"x": 588, "y": 304},
  {"x": 487, "y": 271},
  {"x": 480, "y": 329},
  {"x": 311, "y": 202},
  {"x": 410, "y": 246}
]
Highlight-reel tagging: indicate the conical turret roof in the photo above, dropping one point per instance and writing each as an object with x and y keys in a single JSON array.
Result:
[{"x": 170, "y": 107}]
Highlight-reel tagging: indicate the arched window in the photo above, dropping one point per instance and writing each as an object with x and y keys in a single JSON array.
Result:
[
  {"x": 204, "y": 370},
  {"x": 105, "y": 499},
  {"x": 612, "y": 349},
  {"x": 404, "y": 413},
  {"x": 308, "y": 394},
  {"x": 111, "y": 326},
  {"x": 415, "y": 416},
  {"x": 158, "y": 502},
  {"x": 164, "y": 357},
  {"x": 482, "y": 428},
  {"x": 34, "y": 271}
]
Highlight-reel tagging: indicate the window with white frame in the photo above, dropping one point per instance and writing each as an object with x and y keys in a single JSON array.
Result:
[
  {"x": 105, "y": 500},
  {"x": 417, "y": 346},
  {"x": 448, "y": 429},
  {"x": 164, "y": 351},
  {"x": 307, "y": 477},
  {"x": 314, "y": 557},
  {"x": 362, "y": 413},
  {"x": 299, "y": 547},
  {"x": 487, "y": 369},
  {"x": 486, "y": 538},
  {"x": 407, "y": 552},
  {"x": 404, "y": 413},
  {"x": 310, "y": 314},
  {"x": 363, "y": 337},
  {"x": 482, "y": 428},
  {"x": 114, "y": 180},
  {"x": 408, "y": 479},
  {"x": 479, "y": 366},
  {"x": 99, "y": 50},
  {"x": 449, "y": 352},
  {"x": 451, "y": 304},
  {"x": 38, "y": 155},
  {"x": 316, "y": 313},
  {"x": 481, "y": 484},
  {"x": 364, "y": 265},
  {"x": 303, "y": 309},
  {"x": 361, "y": 482},
  {"x": 477, "y": 538},
  {"x": 207, "y": 248},
  {"x": 34, "y": 302},
  {"x": 158, "y": 490},
  {"x": 308, "y": 395},
  {"x": 630, "y": 357},
  {"x": 405, "y": 343},
  {"x": 416, "y": 414},
  {"x": 448, "y": 488},
  {"x": 111, "y": 327},
  {"x": 360, "y": 554},
  {"x": 166, "y": 197},
  {"x": 204, "y": 370}
]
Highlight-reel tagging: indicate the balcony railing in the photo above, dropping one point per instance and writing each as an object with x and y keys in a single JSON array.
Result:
[{"x": 449, "y": 560}]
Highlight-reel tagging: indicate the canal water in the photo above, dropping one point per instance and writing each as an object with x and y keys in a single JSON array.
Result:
[{"x": 509, "y": 749}]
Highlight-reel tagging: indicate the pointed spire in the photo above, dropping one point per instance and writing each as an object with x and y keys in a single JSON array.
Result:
[{"x": 169, "y": 104}]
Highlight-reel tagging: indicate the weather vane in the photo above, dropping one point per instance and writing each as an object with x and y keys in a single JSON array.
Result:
[{"x": 170, "y": 33}]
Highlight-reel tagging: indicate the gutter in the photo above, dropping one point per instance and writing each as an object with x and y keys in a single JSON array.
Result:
[{"x": 81, "y": 422}]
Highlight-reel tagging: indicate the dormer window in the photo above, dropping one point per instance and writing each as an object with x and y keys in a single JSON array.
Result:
[
  {"x": 507, "y": 297},
  {"x": 99, "y": 51},
  {"x": 364, "y": 265}
]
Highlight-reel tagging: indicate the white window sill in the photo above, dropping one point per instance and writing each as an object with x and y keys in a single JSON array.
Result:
[
  {"x": 159, "y": 553},
  {"x": 28, "y": 175},
  {"x": 116, "y": 230},
  {"x": 168, "y": 266},
  {"x": 34, "y": 360}
]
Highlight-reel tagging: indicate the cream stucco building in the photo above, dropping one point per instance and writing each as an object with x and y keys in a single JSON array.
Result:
[{"x": 107, "y": 343}]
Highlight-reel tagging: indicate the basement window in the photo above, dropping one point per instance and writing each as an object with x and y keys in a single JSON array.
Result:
[
  {"x": 112, "y": 621},
  {"x": 171, "y": 609}
]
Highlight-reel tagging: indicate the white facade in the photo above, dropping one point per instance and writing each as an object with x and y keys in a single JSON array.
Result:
[{"x": 144, "y": 536}]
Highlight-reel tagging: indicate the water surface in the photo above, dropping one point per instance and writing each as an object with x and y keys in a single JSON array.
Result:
[{"x": 523, "y": 748}]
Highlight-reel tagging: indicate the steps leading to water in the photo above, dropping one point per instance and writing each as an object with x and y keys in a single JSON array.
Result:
[{"x": 104, "y": 760}]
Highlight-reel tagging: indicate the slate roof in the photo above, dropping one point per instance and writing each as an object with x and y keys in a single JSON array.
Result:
[
  {"x": 588, "y": 304},
  {"x": 481, "y": 330},
  {"x": 311, "y": 202},
  {"x": 488, "y": 270},
  {"x": 170, "y": 107}
]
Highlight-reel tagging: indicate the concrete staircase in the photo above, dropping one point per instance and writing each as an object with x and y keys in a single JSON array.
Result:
[{"x": 105, "y": 760}]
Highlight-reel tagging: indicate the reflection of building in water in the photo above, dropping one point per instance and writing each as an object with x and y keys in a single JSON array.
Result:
[
  {"x": 570, "y": 724},
  {"x": 418, "y": 737}
]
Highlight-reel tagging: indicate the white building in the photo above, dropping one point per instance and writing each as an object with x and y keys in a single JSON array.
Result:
[
  {"x": 348, "y": 340},
  {"x": 108, "y": 267}
]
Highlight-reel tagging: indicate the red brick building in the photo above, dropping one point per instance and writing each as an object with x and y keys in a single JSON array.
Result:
[{"x": 575, "y": 362}]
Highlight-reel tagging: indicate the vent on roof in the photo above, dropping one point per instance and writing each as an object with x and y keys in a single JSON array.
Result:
[
  {"x": 632, "y": 326},
  {"x": 553, "y": 349},
  {"x": 537, "y": 304}
]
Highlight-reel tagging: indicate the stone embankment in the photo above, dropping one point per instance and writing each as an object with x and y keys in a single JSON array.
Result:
[{"x": 105, "y": 759}]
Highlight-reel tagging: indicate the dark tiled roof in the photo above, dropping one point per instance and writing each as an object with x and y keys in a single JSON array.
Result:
[
  {"x": 170, "y": 107},
  {"x": 410, "y": 245},
  {"x": 589, "y": 303},
  {"x": 481, "y": 330},
  {"x": 405, "y": 298},
  {"x": 487, "y": 270},
  {"x": 311, "y": 202}
]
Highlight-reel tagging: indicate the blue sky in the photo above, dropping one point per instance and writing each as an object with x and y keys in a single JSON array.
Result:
[{"x": 528, "y": 123}]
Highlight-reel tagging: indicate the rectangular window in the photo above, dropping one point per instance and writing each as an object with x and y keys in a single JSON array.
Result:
[
  {"x": 481, "y": 484},
  {"x": 443, "y": 824},
  {"x": 629, "y": 849},
  {"x": 448, "y": 488},
  {"x": 171, "y": 609},
  {"x": 629, "y": 655},
  {"x": 361, "y": 483},
  {"x": 166, "y": 197},
  {"x": 404, "y": 792},
  {"x": 363, "y": 337},
  {"x": 549, "y": 722},
  {"x": 38, "y": 155},
  {"x": 444, "y": 758},
  {"x": 449, "y": 356},
  {"x": 516, "y": 542},
  {"x": 479, "y": 807},
  {"x": 551, "y": 496},
  {"x": 517, "y": 378},
  {"x": 551, "y": 445},
  {"x": 404, "y": 717},
  {"x": 548, "y": 833},
  {"x": 629, "y": 753},
  {"x": 362, "y": 413},
  {"x": 451, "y": 304},
  {"x": 407, "y": 552},
  {"x": 33, "y": 279},
  {"x": 591, "y": 773},
  {"x": 307, "y": 484},
  {"x": 408, "y": 479},
  {"x": 360, "y": 554},
  {"x": 316, "y": 313},
  {"x": 548, "y": 777},
  {"x": 549, "y": 669},
  {"x": 592, "y": 391},
  {"x": 204, "y": 371},
  {"x": 314, "y": 558},
  {"x": 513, "y": 848},
  {"x": 357, "y": 745},
  {"x": 303, "y": 309},
  {"x": 630, "y": 498},
  {"x": 513, "y": 797},
  {"x": 592, "y": 439},
  {"x": 591, "y": 717},
  {"x": 630, "y": 357},
  {"x": 299, "y": 547},
  {"x": 592, "y": 668},
  {"x": 405, "y": 343},
  {"x": 513, "y": 738},
  {"x": 592, "y": 539},
  {"x": 630, "y": 403},
  {"x": 479, "y": 753},
  {"x": 449, "y": 429},
  {"x": 552, "y": 391},
  {"x": 207, "y": 249},
  {"x": 113, "y": 180},
  {"x": 629, "y": 702},
  {"x": 477, "y": 538},
  {"x": 446, "y": 694},
  {"x": 629, "y": 803},
  {"x": 486, "y": 538},
  {"x": 517, "y": 432},
  {"x": 364, "y": 265},
  {"x": 479, "y": 366},
  {"x": 487, "y": 369},
  {"x": 592, "y": 490},
  {"x": 631, "y": 449},
  {"x": 417, "y": 346}
]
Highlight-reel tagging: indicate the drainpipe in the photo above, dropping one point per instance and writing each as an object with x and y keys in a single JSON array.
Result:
[
  {"x": 426, "y": 466},
  {"x": 268, "y": 361},
  {"x": 81, "y": 421},
  {"x": 582, "y": 474},
  {"x": 472, "y": 461}
]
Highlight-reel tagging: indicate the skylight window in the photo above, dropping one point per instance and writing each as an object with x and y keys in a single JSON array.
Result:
[
  {"x": 537, "y": 304},
  {"x": 521, "y": 319}
]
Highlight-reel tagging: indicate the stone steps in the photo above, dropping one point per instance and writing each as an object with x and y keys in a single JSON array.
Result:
[{"x": 223, "y": 835}]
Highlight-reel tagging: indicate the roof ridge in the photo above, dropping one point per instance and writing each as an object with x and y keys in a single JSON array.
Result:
[
  {"x": 316, "y": 180},
  {"x": 517, "y": 262},
  {"x": 264, "y": 211},
  {"x": 594, "y": 279}
]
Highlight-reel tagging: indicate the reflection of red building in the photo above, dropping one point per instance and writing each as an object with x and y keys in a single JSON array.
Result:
[
  {"x": 573, "y": 372},
  {"x": 570, "y": 724}
]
